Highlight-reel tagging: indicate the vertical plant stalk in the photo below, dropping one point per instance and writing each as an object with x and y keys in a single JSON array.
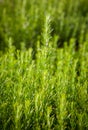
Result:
[{"x": 46, "y": 31}]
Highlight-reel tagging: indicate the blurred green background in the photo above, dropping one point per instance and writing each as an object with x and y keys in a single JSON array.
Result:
[{"x": 23, "y": 20}]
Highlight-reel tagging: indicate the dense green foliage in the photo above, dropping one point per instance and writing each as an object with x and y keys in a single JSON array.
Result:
[
  {"x": 47, "y": 92},
  {"x": 43, "y": 86}
]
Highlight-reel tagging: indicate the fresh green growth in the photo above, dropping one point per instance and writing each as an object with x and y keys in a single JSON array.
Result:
[{"x": 48, "y": 91}]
